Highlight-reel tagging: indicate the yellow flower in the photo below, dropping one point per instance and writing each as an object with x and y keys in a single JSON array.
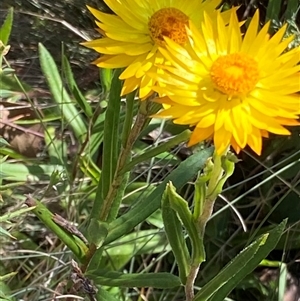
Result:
[
  {"x": 232, "y": 88},
  {"x": 132, "y": 36}
]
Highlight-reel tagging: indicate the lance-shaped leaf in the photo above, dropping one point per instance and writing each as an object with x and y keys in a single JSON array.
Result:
[
  {"x": 243, "y": 264},
  {"x": 102, "y": 294},
  {"x": 5, "y": 31},
  {"x": 96, "y": 234},
  {"x": 173, "y": 229},
  {"x": 75, "y": 244},
  {"x": 65, "y": 104},
  {"x": 6, "y": 27},
  {"x": 117, "y": 279},
  {"x": 228, "y": 164},
  {"x": 111, "y": 139},
  {"x": 199, "y": 197},
  {"x": 82, "y": 102},
  {"x": 180, "y": 206}
]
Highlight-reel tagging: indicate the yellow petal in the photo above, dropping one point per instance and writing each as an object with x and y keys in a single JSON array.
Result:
[
  {"x": 222, "y": 140},
  {"x": 200, "y": 134}
]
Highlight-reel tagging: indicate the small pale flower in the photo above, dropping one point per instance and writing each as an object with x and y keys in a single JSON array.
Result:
[{"x": 231, "y": 87}]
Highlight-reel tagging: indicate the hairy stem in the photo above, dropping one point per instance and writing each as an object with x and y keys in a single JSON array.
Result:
[
  {"x": 189, "y": 286},
  {"x": 123, "y": 157}
]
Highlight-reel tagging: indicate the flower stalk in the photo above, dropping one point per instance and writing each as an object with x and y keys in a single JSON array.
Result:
[
  {"x": 208, "y": 187},
  {"x": 122, "y": 160},
  {"x": 110, "y": 204}
]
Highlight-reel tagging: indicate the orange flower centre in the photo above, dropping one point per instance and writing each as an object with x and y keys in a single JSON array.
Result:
[
  {"x": 168, "y": 22},
  {"x": 235, "y": 74}
]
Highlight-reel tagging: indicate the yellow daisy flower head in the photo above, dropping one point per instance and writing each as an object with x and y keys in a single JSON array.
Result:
[
  {"x": 131, "y": 37},
  {"x": 232, "y": 88}
]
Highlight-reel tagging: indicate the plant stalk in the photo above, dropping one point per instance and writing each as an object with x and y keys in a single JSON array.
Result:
[
  {"x": 122, "y": 160},
  {"x": 189, "y": 286},
  {"x": 207, "y": 210}
]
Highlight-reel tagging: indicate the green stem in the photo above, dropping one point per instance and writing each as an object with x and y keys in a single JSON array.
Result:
[
  {"x": 109, "y": 205},
  {"x": 189, "y": 287},
  {"x": 206, "y": 214},
  {"x": 123, "y": 158},
  {"x": 211, "y": 195},
  {"x": 201, "y": 221}
]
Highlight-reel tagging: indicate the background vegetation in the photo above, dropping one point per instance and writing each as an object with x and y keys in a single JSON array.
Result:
[{"x": 64, "y": 170}]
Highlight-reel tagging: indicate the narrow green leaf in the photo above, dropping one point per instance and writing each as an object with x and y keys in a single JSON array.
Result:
[
  {"x": 135, "y": 190},
  {"x": 97, "y": 232},
  {"x": 5, "y": 29},
  {"x": 139, "y": 243},
  {"x": 102, "y": 294},
  {"x": 111, "y": 133},
  {"x": 98, "y": 129},
  {"x": 57, "y": 148},
  {"x": 155, "y": 280},
  {"x": 96, "y": 137},
  {"x": 243, "y": 264},
  {"x": 89, "y": 168},
  {"x": 118, "y": 254},
  {"x": 228, "y": 166},
  {"x": 8, "y": 93},
  {"x": 14, "y": 214},
  {"x": 27, "y": 172},
  {"x": 199, "y": 197},
  {"x": 110, "y": 144},
  {"x": 223, "y": 277},
  {"x": 291, "y": 9},
  {"x": 76, "y": 245},
  {"x": 7, "y": 70},
  {"x": 5, "y": 292},
  {"x": 174, "y": 232},
  {"x": 84, "y": 105},
  {"x": 9, "y": 83},
  {"x": 179, "y": 177},
  {"x": 3, "y": 232},
  {"x": 60, "y": 95},
  {"x": 283, "y": 277},
  {"x": 273, "y": 10},
  {"x": 106, "y": 76},
  {"x": 6, "y": 298},
  {"x": 180, "y": 206},
  {"x": 3, "y": 142},
  {"x": 7, "y": 276}
]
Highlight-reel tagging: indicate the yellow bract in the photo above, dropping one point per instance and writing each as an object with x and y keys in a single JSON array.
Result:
[
  {"x": 132, "y": 36},
  {"x": 232, "y": 88}
]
